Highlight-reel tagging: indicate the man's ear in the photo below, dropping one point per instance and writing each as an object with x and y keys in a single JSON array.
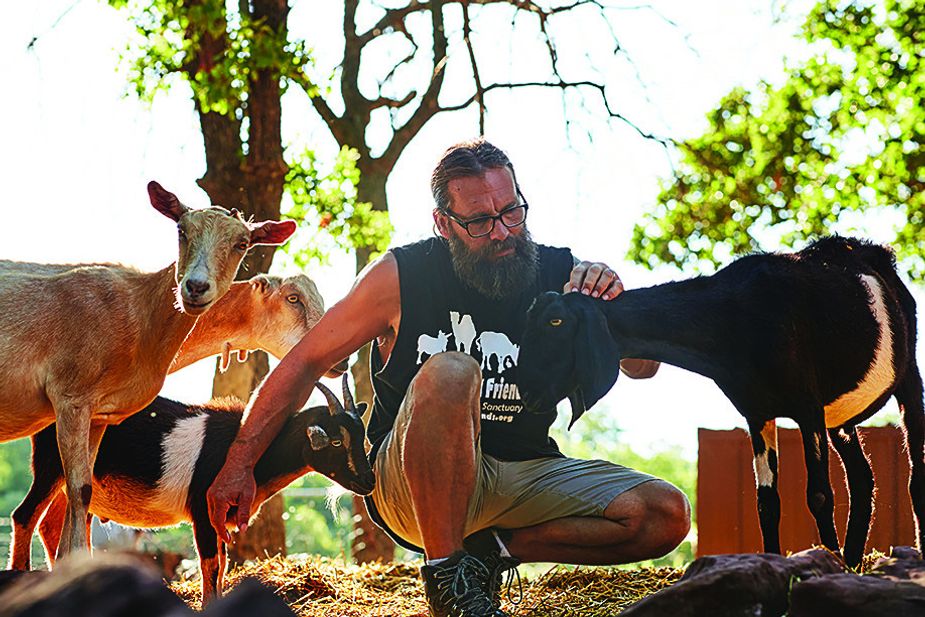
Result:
[
  {"x": 441, "y": 223},
  {"x": 597, "y": 359}
]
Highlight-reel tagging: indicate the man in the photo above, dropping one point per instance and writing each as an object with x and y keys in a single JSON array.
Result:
[{"x": 462, "y": 469}]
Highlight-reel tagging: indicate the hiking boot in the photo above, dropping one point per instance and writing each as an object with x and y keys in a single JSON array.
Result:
[
  {"x": 455, "y": 588},
  {"x": 485, "y": 547}
]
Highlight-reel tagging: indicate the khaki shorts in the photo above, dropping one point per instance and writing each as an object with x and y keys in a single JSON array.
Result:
[{"x": 508, "y": 494}]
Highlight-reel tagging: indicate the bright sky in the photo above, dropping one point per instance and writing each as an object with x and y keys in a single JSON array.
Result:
[{"x": 77, "y": 156}]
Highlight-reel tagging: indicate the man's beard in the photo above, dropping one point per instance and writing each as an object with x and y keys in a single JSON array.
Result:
[{"x": 499, "y": 278}]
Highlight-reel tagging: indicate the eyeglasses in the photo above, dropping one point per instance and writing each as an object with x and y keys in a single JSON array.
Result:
[{"x": 512, "y": 216}]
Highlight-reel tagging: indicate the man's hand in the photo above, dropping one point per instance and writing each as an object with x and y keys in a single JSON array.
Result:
[
  {"x": 594, "y": 279},
  {"x": 231, "y": 489}
]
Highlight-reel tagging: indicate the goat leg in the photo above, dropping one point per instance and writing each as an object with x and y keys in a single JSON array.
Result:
[
  {"x": 860, "y": 491},
  {"x": 51, "y": 525},
  {"x": 818, "y": 488},
  {"x": 26, "y": 517},
  {"x": 909, "y": 395},
  {"x": 764, "y": 445},
  {"x": 77, "y": 443},
  {"x": 211, "y": 559},
  {"x": 47, "y": 480}
]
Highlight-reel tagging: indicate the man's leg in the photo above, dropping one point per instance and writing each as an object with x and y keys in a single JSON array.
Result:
[
  {"x": 439, "y": 455},
  {"x": 644, "y": 522}
]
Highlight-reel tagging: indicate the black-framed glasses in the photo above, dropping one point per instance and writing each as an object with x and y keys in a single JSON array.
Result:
[{"x": 512, "y": 216}]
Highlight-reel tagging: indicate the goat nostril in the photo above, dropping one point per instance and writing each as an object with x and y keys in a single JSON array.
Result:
[{"x": 197, "y": 288}]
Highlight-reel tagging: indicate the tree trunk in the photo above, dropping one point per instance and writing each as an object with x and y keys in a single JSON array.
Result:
[
  {"x": 369, "y": 542},
  {"x": 252, "y": 183},
  {"x": 267, "y": 535}
]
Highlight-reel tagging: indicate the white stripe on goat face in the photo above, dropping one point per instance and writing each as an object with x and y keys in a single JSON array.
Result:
[
  {"x": 181, "y": 448},
  {"x": 881, "y": 373}
]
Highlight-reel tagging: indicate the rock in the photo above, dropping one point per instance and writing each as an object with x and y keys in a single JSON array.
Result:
[
  {"x": 736, "y": 585},
  {"x": 850, "y": 595},
  {"x": 20, "y": 577},
  {"x": 249, "y": 598},
  {"x": 105, "y": 586},
  {"x": 903, "y": 564}
]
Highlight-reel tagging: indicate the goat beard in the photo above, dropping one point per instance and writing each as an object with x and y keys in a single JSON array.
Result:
[{"x": 497, "y": 277}]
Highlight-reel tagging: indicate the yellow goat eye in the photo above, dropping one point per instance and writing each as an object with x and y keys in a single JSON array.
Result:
[
  {"x": 292, "y": 298},
  {"x": 336, "y": 443},
  {"x": 555, "y": 322}
]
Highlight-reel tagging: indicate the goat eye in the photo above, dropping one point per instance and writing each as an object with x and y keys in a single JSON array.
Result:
[
  {"x": 555, "y": 322},
  {"x": 292, "y": 298},
  {"x": 181, "y": 233},
  {"x": 336, "y": 443},
  {"x": 243, "y": 245}
]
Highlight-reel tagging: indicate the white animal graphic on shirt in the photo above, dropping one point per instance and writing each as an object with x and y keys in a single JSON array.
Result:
[
  {"x": 432, "y": 345},
  {"x": 499, "y": 345},
  {"x": 463, "y": 331}
]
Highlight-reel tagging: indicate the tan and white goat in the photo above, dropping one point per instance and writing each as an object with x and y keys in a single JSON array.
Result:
[
  {"x": 266, "y": 312},
  {"x": 88, "y": 346}
]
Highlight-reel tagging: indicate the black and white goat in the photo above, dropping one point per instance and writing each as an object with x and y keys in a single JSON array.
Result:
[
  {"x": 153, "y": 469},
  {"x": 823, "y": 336}
]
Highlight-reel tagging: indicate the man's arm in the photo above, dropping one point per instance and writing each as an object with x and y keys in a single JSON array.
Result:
[
  {"x": 370, "y": 309},
  {"x": 598, "y": 280}
]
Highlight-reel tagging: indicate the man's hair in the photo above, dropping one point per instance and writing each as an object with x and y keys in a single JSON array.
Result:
[{"x": 467, "y": 159}]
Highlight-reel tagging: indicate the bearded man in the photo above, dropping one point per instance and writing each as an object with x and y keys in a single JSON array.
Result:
[{"x": 464, "y": 474}]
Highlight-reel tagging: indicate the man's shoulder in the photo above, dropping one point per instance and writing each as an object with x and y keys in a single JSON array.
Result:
[
  {"x": 423, "y": 247},
  {"x": 426, "y": 253}
]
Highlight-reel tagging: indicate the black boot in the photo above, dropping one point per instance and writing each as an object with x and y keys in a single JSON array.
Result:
[
  {"x": 484, "y": 546},
  {"x": 456, "y": 588}
]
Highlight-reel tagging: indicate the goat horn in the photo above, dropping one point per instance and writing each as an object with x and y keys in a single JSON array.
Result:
[
  {"x": 334, "y": 405},
  {"x": 348, "y": 396}
]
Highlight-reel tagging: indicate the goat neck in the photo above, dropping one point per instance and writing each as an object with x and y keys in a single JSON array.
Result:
[
  {"x": 224, "y": 323},
  {"x": 284, "y": 460},
  {"x": 676, "y": 323},
  {"x": 162, "y": 325}
]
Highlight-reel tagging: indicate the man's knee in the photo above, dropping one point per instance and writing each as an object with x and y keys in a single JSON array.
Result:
[
  {"x": 450, "y": 379},
  {"x": 669, "y": 511},
  {"x": 658, "y": 510}
]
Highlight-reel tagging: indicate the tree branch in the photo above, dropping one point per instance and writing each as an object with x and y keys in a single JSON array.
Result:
[
  {"x": 429, "y": 104},
  {"x": 393, "y": 20},
  {"x": 479, "y": 92},
  {"x": 384, "y": 101}
]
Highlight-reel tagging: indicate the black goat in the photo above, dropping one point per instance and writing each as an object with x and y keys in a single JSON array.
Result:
[
  {"x": 823, "y": 336},
  {"x": 153, "y": 470}
]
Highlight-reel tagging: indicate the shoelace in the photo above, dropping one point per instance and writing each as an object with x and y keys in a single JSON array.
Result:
[
  {"x": 496, "y": 581},
  {"x": 456, "y": 587}
]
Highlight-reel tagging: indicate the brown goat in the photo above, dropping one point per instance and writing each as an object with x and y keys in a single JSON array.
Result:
[
  {"x": 88, "y": 346},
  {"x": 265, "y": 312}
]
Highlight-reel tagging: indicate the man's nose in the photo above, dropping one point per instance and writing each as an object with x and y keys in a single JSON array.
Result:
[{"x": 500, "y": 232}]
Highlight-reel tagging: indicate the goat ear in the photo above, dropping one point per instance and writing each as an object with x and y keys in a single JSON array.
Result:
[
  {"x": 317, "y": 437},
  {"x": 165, "y": 202},
  {"x": 260, "y": 283},
  {"x": 272, "y": 232},
  {"x": 597, "y": 360}
]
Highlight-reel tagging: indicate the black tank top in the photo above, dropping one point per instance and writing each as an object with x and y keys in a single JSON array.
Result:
[{"x": 440, "y": 313}]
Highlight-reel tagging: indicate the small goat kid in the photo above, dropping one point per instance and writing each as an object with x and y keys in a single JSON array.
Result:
[
  {"x": 823, "y": 336},
  {"x": 90, "y": 345},
  {"x": 265, "y": 312},
  {"x": 153, "y": 469}
]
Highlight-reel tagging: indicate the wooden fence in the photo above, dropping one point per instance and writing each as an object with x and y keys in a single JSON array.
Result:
[{"x": 727, "y": 515}]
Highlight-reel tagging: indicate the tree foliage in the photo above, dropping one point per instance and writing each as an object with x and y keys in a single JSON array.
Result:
[
  {"x": 219, "y": 51},
  {"x": 844, "y": 134}
]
